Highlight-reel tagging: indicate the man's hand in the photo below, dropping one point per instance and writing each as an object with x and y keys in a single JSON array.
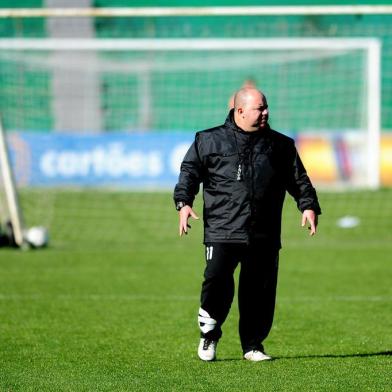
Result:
[
  {"x": 312, "y": 218},
  {"x": 184, "y": 214}
]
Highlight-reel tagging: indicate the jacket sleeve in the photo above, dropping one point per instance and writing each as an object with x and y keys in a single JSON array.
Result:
[
  {"x": 190, "y": 175},
  {"x": 300, "y": 187}
]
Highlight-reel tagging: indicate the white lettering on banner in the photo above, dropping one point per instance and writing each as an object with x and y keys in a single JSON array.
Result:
[
  {"x": 135, "y": 163},
  {"x": 98, "y": 161},
  {"x": 47, "y": 164},
  {"x": 154, "y": 166},
  {"x": 112, "y": 161},
  {"x": 177, "y": 156},
  {"x": 68, "y": 163}
]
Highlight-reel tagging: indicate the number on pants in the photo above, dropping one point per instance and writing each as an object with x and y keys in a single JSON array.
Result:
[{"x": 209, "y": 250}]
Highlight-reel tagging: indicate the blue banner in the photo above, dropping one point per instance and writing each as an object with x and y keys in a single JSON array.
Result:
[{"x": 150, "y": 160}]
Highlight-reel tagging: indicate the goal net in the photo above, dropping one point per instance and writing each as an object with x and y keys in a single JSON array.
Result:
[
  {"x": 120, "y": 113},
  {"x": 324, "y": 92}
]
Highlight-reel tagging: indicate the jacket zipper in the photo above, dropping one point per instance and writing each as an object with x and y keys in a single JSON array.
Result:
[{"x": 251, "y": 145}]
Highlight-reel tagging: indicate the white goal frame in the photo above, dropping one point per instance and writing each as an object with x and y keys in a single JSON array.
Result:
[
  {"x": 372, "y": 46},
  {"x": 104, "y": 12},
  {"x": 11, "y": 194}
]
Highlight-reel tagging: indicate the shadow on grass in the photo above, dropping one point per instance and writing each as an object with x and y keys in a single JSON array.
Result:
[{"x": 358, "y": 355}]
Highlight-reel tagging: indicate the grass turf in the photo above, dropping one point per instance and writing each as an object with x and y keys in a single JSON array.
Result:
[{"x": 111, "y": 304}]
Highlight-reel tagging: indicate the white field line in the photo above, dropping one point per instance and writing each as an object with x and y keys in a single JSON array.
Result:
[{"x": 180, "y": 298}]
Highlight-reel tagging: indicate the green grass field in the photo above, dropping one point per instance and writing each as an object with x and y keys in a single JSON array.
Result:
[{"x": 111, "y": 305}]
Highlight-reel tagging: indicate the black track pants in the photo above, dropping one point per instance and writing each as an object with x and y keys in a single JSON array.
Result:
[{"x": 256, "y": 291}]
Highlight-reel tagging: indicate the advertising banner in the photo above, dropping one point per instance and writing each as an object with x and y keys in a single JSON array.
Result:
[
  {"x": 152, "y": 160},
  {"x": 118, "y": 160}
]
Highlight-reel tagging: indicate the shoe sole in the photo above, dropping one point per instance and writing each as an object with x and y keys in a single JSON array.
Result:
[{"x": 207, "y": 360}]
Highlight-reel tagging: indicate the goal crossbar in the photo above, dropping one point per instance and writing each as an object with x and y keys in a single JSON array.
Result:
[
  {"x": 196, "y": 11},
  {"x": 171, "y": 44}
]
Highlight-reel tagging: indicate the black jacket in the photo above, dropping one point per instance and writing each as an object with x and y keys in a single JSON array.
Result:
[{"x": 245, "y": 176}]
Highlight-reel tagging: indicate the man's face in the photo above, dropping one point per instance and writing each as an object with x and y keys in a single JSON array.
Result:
[{"x": 255, "y": 112}]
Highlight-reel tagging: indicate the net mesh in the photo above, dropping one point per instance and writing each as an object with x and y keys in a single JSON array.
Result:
[
  {"x": 305, "y": 26},
  {"x": 317, "y": 91},
  {"x": 182, "y": 90}
]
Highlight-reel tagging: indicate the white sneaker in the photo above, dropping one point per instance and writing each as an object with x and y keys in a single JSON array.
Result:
[
  {"x": 207, "y": 349},
  {"x": 256, "y": 356}
]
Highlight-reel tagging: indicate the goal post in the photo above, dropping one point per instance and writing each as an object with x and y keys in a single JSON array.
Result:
[
  {"x": 10, "y": 211},
  {"x": 316, "y": 86}
]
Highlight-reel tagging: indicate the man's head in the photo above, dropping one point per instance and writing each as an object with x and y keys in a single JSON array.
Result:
[{"x": 250, "y": 109}]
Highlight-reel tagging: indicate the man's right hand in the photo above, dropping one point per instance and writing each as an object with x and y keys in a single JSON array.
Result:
[{"x": 184, "y": 214}]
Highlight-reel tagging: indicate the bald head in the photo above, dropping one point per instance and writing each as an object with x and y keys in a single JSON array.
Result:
[
  {"x": 250, "y": 109},
  {"x": 246, "y": 96}
]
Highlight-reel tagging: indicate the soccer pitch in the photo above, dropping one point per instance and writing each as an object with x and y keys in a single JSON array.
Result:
[{"x": 111, "y": 305}]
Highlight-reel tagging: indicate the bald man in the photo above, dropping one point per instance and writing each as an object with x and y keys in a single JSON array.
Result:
[
  {"x": 248, "y": 83},
  {"x": 246, "y": 169}
]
